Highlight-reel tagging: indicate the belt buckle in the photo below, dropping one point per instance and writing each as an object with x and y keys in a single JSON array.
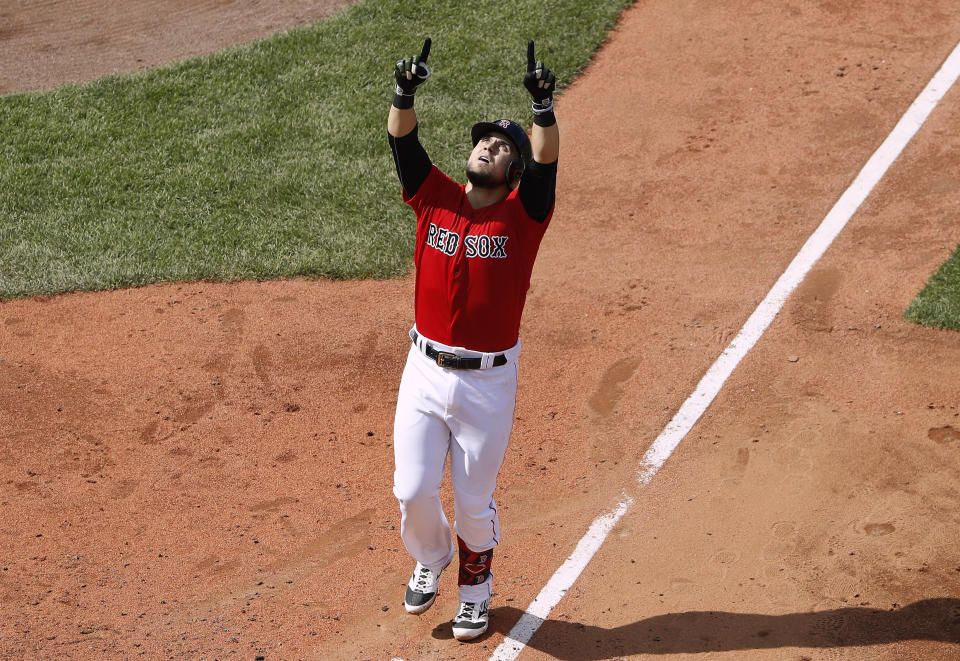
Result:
[{"x": 448, "y": 360}]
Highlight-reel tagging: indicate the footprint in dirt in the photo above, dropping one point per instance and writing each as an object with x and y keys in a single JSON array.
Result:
[
  {"x": 604, "y": 400},
  {"x": 943, "y": 435},
  {"x": 878, "y": 529}
]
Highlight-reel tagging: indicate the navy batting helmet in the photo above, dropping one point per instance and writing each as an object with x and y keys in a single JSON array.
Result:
[{"x": 513, "y": 130}]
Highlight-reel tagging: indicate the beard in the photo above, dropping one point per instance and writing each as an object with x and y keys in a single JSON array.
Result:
[{"x": 487, "y": 180}]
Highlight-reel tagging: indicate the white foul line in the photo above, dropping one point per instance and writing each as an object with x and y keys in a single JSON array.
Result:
[
  {"x": 557, "y": 586},
  {"x": 695, "y": 405}
]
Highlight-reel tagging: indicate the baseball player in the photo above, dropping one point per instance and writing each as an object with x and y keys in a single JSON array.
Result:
[{"x": 476, "y": 245}]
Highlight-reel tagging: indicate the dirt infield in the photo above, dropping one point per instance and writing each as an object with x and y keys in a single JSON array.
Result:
[
  {"x": 204, "y": 471},
  {"x": 52, "y": 42}
]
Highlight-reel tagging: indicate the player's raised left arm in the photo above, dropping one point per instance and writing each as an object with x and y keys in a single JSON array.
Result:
[{"x": 545, "y": 136}]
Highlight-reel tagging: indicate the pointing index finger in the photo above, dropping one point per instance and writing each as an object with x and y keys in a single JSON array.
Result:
[
  {"x": 531, "y": 61},
  {"x": 426, "y": 50}
]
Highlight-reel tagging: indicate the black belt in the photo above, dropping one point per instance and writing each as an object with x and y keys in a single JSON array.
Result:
[{"x": 453, "y": 361}]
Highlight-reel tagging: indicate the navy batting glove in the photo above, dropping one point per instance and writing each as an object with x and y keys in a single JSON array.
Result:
[
  {"x": 412, "y": 71},
  {"x": 539, "y": 81}
]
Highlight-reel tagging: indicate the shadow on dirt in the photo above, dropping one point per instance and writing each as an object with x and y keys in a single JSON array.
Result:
[{"x": 713, "y": 631}]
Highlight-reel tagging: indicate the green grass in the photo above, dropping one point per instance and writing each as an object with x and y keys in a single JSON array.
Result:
[
  {"x": 938, "y": 303},
  {"x": 263, "y": 161}
]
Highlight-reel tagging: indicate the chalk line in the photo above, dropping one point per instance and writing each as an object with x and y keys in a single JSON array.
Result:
[{"x": 695, "y": 405}]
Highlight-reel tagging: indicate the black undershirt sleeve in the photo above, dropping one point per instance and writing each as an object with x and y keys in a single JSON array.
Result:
[
  {"x": 538, "y": 188},
  {"x": 413, "y": 163}
]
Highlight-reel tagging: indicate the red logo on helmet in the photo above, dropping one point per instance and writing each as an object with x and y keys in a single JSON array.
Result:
[{"x": 504, "y": 123}]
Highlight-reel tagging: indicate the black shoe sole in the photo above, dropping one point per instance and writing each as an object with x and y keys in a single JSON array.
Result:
[{"x": 469, "y": 634}]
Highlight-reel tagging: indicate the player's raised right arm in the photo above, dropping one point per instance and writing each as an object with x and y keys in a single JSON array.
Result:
[
  {"x": 409, "y": 74},
  {"x": 413, "y": 163}
]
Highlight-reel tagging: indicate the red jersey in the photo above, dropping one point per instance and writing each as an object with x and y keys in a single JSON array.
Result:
[{"x": 473, "y": 265}]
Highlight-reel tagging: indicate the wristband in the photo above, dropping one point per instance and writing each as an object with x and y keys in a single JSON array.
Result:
[
  {"x": 543, "y": 113},
  {"x": 402, "y": 101},
  {"x": 542, "y": 106},
  {"x": 545, "y": 119}
]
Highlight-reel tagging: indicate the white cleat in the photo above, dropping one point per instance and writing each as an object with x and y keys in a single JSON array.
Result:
[
  {"x": 471, "y": 621},
  {"x": 422, "y": 589}
]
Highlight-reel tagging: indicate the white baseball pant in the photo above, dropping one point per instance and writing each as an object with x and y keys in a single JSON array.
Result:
[{"x": 466, "y": 414}]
